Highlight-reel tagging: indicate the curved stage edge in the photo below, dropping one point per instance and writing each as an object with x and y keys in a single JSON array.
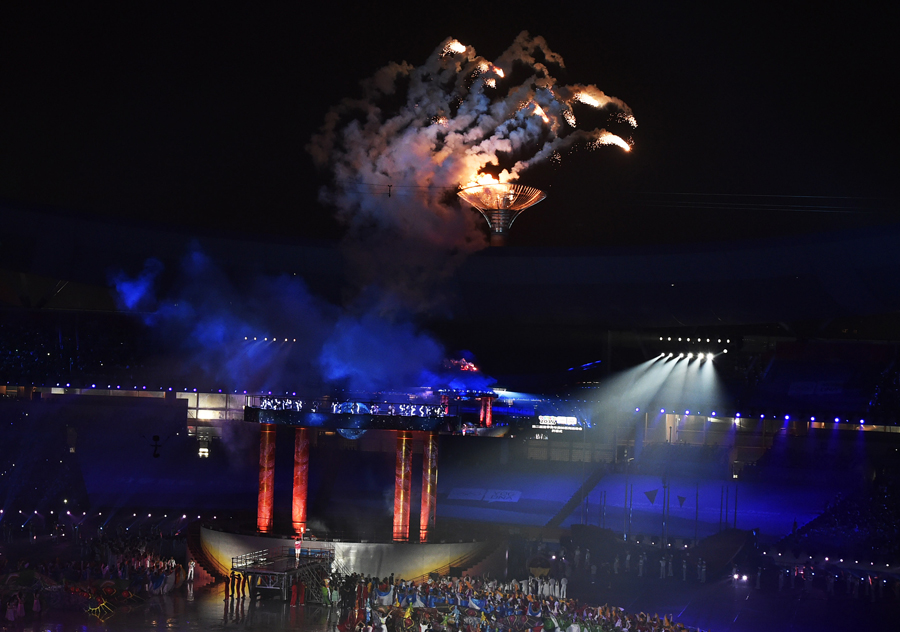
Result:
[{"x": 376, "y": 559}]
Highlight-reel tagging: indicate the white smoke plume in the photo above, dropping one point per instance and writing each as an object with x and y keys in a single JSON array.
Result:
[{"x": 399, "y": 153}]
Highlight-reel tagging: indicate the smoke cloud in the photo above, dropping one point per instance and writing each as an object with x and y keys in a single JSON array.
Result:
[
  {"x": 272, "y": 334},
  {"x": 400, "y": 152}
]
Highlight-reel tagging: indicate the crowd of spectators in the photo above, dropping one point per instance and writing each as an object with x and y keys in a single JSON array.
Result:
[
  {"x": 121, "y": 565},
  {"x": 128, "y": 556},
  {"x": 886, "y": 399},
  {"x": 864, "y": 525},
  {"x": 89, "y": 350}
]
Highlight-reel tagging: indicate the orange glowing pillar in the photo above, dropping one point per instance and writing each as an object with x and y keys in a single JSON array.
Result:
[
  {"x": 487, "y": 411},
  {"x": 266, "y": 478},
  {"x": 301, "y": 480},
  {"x": 429, "y": 486},
  {"x": 402, "y": 487}
]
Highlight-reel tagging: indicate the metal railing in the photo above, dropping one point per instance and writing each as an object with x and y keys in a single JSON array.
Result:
[
  {"x": 267, "y": 557},
  {"x": 324, "y": 553},
  {"x": 256, "y": 558}
]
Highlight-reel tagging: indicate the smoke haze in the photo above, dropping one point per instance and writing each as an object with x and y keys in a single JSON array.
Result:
[{"x": 398, "y": 154}]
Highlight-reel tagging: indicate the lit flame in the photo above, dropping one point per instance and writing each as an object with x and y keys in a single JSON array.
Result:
[
  {"x": 587, "y": 99},
  {"x": 610, "y": 139},
  {"x": 540, "y": 112},
  {"x": 485, "y": 66},
  {"x": 462, "y": 364},
  {"x": 454, "y": 46},
  {"x": 481, "y": 179}
]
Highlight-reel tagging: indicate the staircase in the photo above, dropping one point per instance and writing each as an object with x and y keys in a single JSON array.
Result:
[
  {"x": 312, "y": 568},
  {"x": 578, "y": 497},
  {"x": 312, "y": 576},
  {"x": 204, "y": 571}
]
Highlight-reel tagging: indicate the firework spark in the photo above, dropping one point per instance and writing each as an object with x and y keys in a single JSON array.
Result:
[
  {"x": 610, "y": 139},
  {"x": 453, "y": 47},
  {"x": 539, "y": 111}
]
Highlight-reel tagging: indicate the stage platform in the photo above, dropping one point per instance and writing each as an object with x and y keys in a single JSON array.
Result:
[{"x": 410, "y": 560}]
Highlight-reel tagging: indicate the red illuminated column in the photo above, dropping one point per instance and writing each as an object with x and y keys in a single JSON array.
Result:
[
  {"x": 487, "y": 411},
  {"x": 402, "y": 487},
  {"x": 429, "y": 486},
  {"x": 266, "y": 477},
  {"x": 301, "y": 479}
]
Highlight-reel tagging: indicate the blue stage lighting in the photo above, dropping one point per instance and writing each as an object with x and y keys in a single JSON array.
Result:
[
  {"x": 737, "y": 414},
  {"x": 662, "y": 411},
  {"x": 713, "y": 413},
  {"x": 837, "y": 419}
]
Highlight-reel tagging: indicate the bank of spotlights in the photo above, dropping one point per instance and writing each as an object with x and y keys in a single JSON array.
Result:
[{"x": 690, "y": 356}]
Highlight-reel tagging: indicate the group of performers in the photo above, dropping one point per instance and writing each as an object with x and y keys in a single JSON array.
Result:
[{"x": 476, "y": 605}]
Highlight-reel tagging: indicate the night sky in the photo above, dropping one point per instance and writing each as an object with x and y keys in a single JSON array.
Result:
[{"x": 198, "y": 117}]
